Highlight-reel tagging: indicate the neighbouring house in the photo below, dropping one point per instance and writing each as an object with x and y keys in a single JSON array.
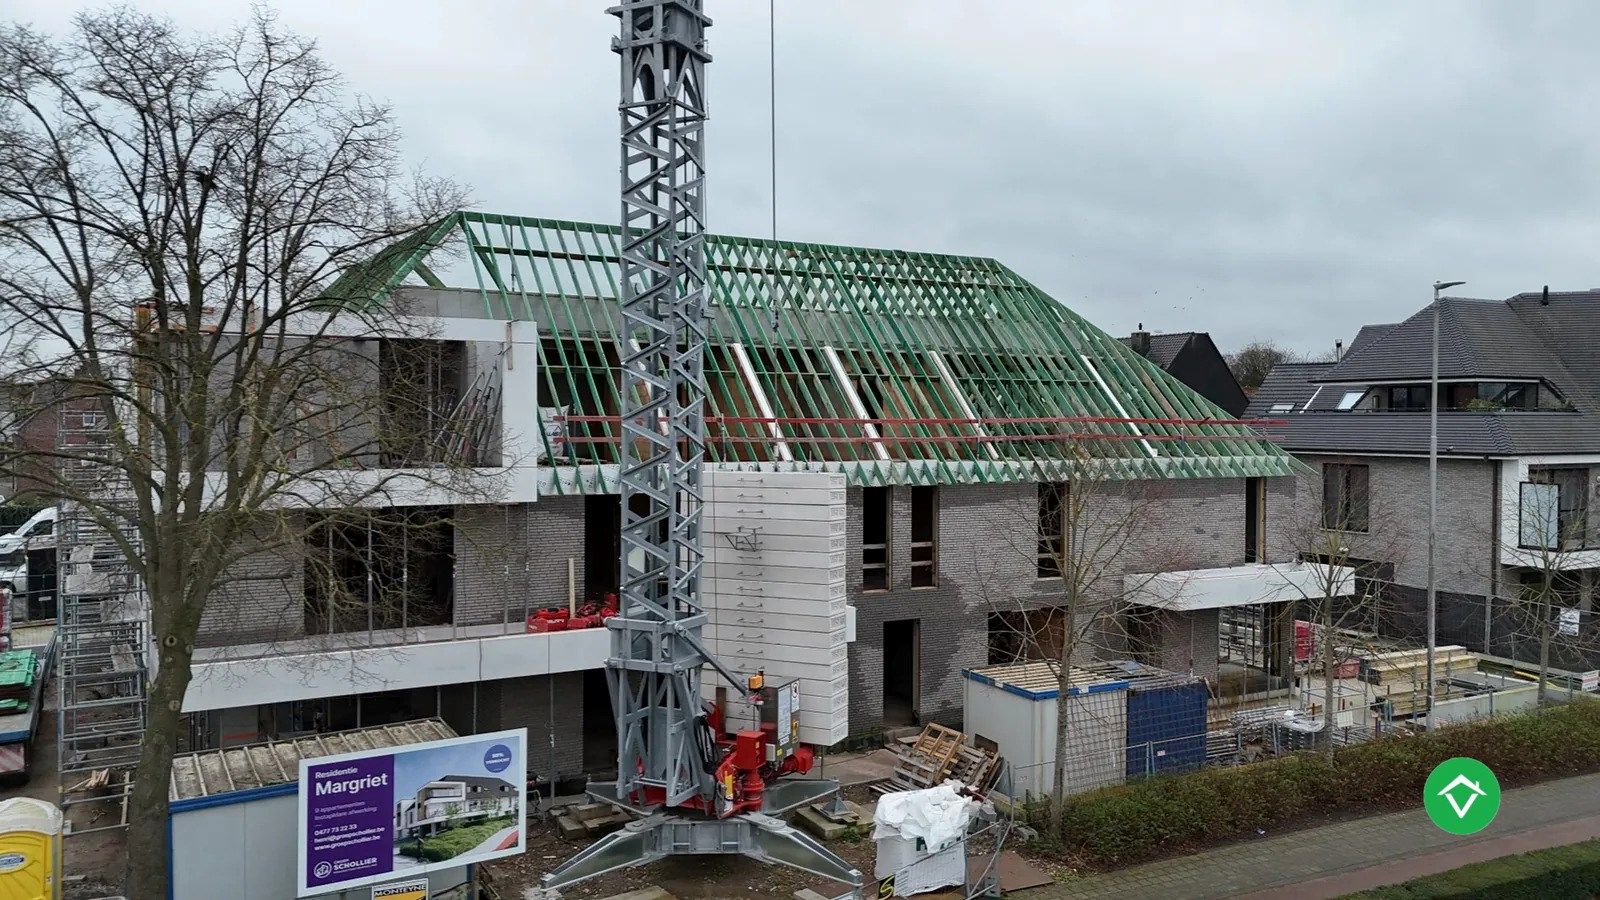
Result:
[
  {"x": 1193, "y": 358},
  {"x": 453, "y": 801},
  {"x": 30, "y": 423},
  {"x": 951, "y": 398},
  {"x": 1519, "y": 464}
]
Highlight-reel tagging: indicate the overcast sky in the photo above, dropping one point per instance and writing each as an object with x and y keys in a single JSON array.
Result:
[{"x": 1282, "y": 171}]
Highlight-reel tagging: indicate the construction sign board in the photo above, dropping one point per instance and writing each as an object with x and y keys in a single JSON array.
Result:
[{"x": 370, "y": 817}]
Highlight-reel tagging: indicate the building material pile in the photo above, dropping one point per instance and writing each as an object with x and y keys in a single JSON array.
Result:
[
  {"x": 1403, "y": 674},
  {"x": 937, "y": 755},
  {"x": 18, "y": 669}
]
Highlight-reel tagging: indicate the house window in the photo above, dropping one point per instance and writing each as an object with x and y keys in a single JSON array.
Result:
[
  {"x": 924, "y": 536},
  {"x": 1344, "y": 497},
  {"x": 1572, "y": 502},
  {"x": 875, "y": 539},
  {"x": 1052, "y": 528}
]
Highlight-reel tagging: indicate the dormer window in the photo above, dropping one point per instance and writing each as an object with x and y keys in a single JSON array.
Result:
[{"x": 1457, "y": 396}]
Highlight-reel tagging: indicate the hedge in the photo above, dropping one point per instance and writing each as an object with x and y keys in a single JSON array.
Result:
[
  {"x": 1160, "y": 816},
  {"x": 1560, "y": 873}
]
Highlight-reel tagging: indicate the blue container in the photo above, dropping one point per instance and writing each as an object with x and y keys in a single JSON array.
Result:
[{"x": 1166, "y": 725}]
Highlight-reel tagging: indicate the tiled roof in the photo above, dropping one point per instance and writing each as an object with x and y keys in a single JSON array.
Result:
[{"x": 1521, "y": 338}]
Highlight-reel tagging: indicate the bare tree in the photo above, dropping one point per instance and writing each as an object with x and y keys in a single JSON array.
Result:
[
  {"x": 182, "y": 226},
  {"x": 1336, "y": 547},
  {"x": 1553, "y": 528},
  {"x": 1093, "y": 557},
  {"x": 1252, "y": 363}
]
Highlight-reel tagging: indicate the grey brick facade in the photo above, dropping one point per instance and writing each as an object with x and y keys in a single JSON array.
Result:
[
  {"x": 987, "y": 562},
  {"x": 261, "y": 598},
  {"x": 1397, "y": 534},
  {"x": 511, "y": 560},
  {"x": 551, "y": 708}
]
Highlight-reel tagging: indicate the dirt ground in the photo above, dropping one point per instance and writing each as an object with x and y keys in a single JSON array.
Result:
[
  {"x": 701, "y": 878},
  {"x": 93, "y": 862}
]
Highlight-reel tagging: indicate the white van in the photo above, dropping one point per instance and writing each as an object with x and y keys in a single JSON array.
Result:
[{"x": 38, "y": 533}]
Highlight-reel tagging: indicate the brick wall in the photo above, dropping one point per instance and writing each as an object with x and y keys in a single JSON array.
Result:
[
  {"x": 551, "y": 708},
  {"x": 1398, "y": 530},
  {"x": 261, "y": 598},
  {"x": 510, "y": 559},
  {"x": 987, "y": 561}
]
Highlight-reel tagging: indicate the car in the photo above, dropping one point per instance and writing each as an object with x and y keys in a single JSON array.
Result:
[{"x": 35, "y": 534}]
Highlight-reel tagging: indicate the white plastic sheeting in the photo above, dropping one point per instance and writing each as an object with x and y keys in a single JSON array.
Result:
[{"x": 935, "y": 816}]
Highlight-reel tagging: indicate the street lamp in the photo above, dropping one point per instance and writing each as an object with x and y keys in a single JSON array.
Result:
[{"x": 1433, "y": 492}]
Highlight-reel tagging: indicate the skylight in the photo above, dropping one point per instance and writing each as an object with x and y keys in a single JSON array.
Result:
[{"x": 1350, "y": 399}]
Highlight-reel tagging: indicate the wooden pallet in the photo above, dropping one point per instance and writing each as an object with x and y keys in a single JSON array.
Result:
[
  {"x": 935, "y": 755},
  {"x": 978, "y": 769}
]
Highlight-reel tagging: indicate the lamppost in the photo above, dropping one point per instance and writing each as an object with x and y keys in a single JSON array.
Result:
[{"x": 1433, "y": 492}]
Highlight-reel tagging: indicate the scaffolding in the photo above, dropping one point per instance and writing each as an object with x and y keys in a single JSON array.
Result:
[{"x": 103, "y": 628}]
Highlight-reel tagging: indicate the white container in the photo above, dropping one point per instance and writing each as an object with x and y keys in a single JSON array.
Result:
[{"x": 1017, "y": 708}]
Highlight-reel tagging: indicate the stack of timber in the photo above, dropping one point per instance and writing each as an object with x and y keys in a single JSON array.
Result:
[
  {"x": 937, "y": 755},
  {"x": 1403, "y": 674},
  {"x": 18, "y": 669}
]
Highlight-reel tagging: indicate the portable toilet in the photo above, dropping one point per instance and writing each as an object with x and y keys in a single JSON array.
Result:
[{"x": 30, "y": 850}]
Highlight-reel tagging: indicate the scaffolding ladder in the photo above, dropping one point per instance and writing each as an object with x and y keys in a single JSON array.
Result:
[{"x": 102, "y": 632}]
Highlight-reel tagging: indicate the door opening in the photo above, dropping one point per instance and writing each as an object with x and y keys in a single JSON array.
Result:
[{"x": 902, "y": 664}]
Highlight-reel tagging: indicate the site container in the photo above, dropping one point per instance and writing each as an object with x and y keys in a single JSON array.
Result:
[
  {"x": 1017, "y": 707},
  {"x": 1166, "y": 723}
]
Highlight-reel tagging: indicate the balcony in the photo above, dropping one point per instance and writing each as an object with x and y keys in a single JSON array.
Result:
[
  {"x": 338, "y": 665},
  {"x": 1248, "y": 585}
]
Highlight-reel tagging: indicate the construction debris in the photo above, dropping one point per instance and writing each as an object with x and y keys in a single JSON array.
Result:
[{"x": 936, "y": 755}]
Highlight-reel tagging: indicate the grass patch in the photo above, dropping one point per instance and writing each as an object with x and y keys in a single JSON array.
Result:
[
  {"x": 452, "y": 843},
  {"x": 1560, "y": 873},
  {"x": 1161, "y": 816}
]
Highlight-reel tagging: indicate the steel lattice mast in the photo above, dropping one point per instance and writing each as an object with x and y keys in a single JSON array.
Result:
[
  {"x": 668, "y": 753},
  {"x": 656, "y": 650}
]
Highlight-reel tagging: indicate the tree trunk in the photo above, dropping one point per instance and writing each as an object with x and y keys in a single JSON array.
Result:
[
  {"x": 1058, "y": 789},
  {"x": 146, "y": 875},
  {"x": 1544, "y": 656},
  {"x": 1328, "y": 667}
]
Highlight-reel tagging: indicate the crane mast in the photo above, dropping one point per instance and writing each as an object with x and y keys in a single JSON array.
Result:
[
  {"x": 656, "y": 658},
  {"x": 696, "y": 790}
]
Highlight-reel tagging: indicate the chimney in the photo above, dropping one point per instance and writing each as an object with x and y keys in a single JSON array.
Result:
[
  {"x": 1338, "y": 350},
  {"x": 1140, "y": 341}
]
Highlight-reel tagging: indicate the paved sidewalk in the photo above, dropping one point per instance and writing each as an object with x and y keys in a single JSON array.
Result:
[{"x": 1351, "y": 856}]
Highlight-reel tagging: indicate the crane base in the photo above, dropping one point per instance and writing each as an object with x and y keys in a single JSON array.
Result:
[{"x": 758, "y": 836}]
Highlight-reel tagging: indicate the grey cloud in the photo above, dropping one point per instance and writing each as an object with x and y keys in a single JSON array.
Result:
[{"x": 1286, "y": 171}]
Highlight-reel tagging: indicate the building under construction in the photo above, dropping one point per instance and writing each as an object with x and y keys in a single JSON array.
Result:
[{"x": 955, "y": 404}]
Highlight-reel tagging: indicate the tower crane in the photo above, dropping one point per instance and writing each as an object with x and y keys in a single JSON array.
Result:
[{"x": 696, "y": 791}]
